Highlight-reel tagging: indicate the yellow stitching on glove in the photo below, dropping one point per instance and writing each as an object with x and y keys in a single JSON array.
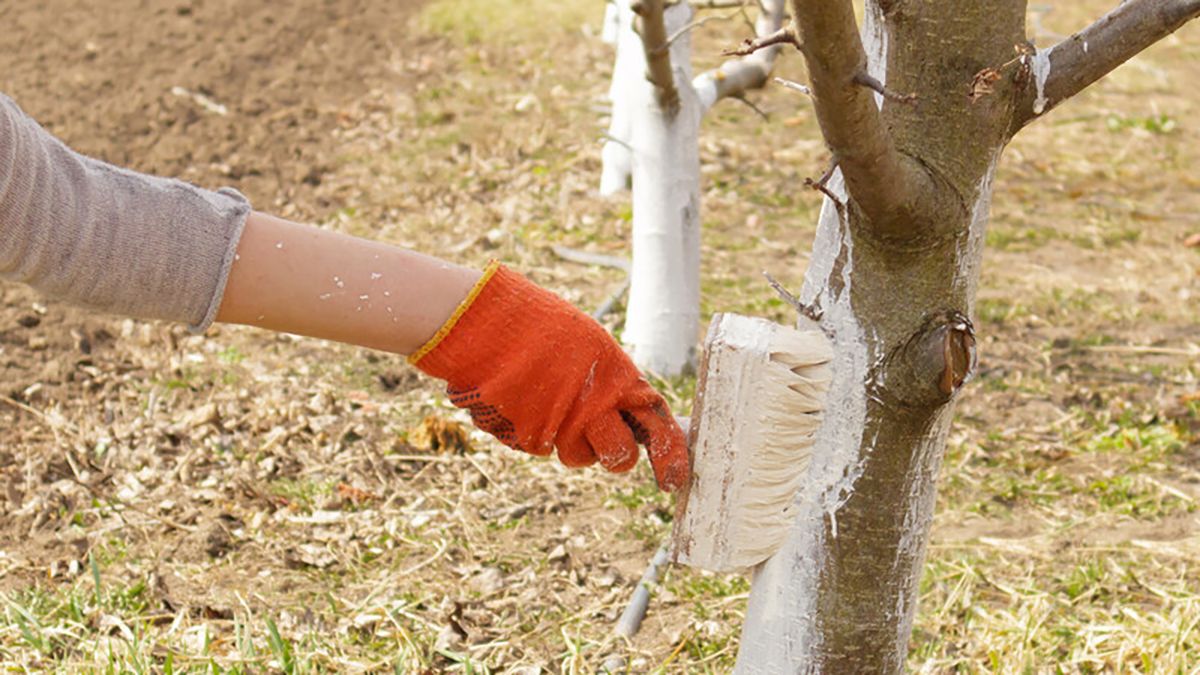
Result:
[{"x": 462, "y": 309}]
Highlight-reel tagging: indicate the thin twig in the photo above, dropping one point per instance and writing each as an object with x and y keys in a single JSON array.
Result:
[
  {"x": 794, "y": 86},
  {"x": 761, "y": 113},
  {"x": 865, "y": 80},
  {"x": 718, "y": 4},
  {"x": 588, "y": 258},
  {"x": 693, "y": 25},
  {"x": 811, "y": 311},
  {"x": 609, "y": 137},
  {"x": 635, "y": 612},
  {"x": 784, "y": 35},
  {"x": 608, "y": 305}
]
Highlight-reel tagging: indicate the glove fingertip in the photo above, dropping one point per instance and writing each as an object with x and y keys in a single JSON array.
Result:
[
  {"x": 613, "y": 443},
  {"x": 574, "y": 451}
]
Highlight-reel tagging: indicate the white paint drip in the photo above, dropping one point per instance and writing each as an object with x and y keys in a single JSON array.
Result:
[{"x": 1041, "y": 71}]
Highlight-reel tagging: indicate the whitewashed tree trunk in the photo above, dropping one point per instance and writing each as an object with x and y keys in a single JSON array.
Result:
[
  {"x": 629, "y": 67},
  {"x": 659, "y": 150},
  {"x": 662, "y": 320}
]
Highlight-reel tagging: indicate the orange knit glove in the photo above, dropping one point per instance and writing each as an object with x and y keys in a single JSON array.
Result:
[{"x": 537, "y": 374}]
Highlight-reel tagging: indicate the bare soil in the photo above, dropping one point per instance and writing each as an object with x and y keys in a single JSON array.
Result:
[{"x": 216, "y": 483}]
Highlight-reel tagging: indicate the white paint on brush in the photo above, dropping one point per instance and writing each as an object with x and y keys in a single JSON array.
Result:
[
  {"x": 662, "y": 320},
  {"x": 759, "y": 403},
  {"x": 1041, "y": 71}
]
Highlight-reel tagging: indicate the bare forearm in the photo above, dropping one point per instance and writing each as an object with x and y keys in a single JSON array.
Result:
[{"x": 300, "y": 279}]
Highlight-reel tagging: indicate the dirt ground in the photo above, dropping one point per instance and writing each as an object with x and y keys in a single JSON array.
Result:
[{"x": 248, "y": 502}]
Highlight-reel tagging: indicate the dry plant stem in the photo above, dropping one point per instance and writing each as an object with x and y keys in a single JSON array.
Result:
[
  {"x": 1092, "y": 53},
  {"x": 783, "y": 36},
  {"x": 658, "y": 56},
  {"x": 719, "y": 4},
  {"x": 888, "y": 188}
]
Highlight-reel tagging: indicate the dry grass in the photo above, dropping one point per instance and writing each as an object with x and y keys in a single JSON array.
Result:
[{"x": 246, "y": 502}]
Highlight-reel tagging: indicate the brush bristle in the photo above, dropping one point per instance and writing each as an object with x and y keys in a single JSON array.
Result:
[{"x": 759, "y": 406}]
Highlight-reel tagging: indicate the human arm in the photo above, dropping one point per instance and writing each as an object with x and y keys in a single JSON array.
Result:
[
  {"x": 300, "y": 279},
  {"x": 530, "y": 368}
]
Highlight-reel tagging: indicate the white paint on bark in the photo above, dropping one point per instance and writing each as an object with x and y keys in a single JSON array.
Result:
[
  {"x": 611, "y": 26},
  {"x": 781, "y": 629},
  {"x": 662, "y": 320},
  {"x": 1041, "y": 71},
  {"x": 971, "y": 257},
  {"x": 875, "y": 42},
  {"x": 782, "y": 633},
  {"x": 629, "y": 68}
]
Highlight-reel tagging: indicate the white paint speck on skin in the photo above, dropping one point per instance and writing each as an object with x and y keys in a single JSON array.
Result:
[
  {"x": 279, "y": 244},
  {"x": 387, "y": 294},
  {"x": 376, "y": 276},
  {"x": 364, "y": 297}
]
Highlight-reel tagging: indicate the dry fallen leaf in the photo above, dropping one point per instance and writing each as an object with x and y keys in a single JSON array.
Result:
[{"x": 440, "y": 435}]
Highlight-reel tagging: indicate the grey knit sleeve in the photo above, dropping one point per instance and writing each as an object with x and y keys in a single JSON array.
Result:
[{"x": 101, "y": 237}]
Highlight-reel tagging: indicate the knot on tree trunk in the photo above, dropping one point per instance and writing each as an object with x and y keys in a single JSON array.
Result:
[{"x": 933, "y": 364}]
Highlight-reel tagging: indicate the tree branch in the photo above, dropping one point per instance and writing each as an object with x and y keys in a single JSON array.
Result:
[
  {"x": 1092, "y": 53},
  {"x": 738, "y": 76},
  {"x": 782, "y": 36},
  {"x": 888, "y": 188},
  {"x": 658, "y": 53}
]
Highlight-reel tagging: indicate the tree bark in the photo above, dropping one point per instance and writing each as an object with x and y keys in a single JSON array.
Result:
[
  {"x": 839, "y": 596},
  {"x": 893, "y": 277},
  {"x": 662, "y": 320}
]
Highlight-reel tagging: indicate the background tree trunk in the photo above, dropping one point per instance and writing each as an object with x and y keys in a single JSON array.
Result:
[
  {"x": 655, "y": 134},
  {"x": 662, "y": 320}
]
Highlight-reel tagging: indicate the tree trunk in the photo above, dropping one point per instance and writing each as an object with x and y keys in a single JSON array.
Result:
[
  {"x": 662, "y": 320},
  {"x": 840, "y": 595},
  {"x": 629, "y": 66}
]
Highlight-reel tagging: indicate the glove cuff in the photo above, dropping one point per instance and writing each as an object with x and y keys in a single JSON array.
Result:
[{"x": 433, "y": 342}]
